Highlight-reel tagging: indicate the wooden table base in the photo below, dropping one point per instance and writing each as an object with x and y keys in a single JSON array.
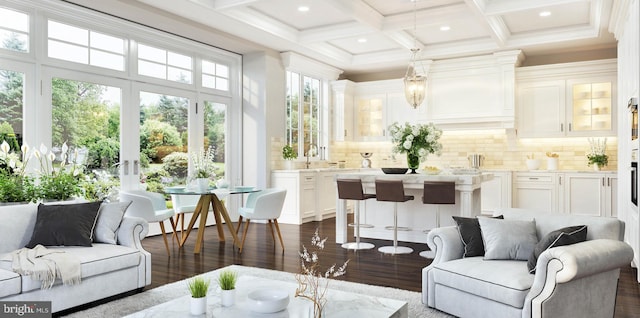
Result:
[{"x": 202, "y": 210}]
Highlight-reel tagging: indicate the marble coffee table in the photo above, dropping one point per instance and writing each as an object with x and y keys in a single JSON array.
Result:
[{"x": 340, "y": 304}]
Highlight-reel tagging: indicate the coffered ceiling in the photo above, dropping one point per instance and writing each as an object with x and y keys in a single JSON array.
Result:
[{"x": 363, "y": 35}]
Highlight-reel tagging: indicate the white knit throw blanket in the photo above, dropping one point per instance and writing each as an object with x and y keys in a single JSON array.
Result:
[{"x": 45, "y": 265}]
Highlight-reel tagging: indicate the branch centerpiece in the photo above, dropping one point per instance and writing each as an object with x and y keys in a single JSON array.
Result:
[{"x": 312, "y": 282}]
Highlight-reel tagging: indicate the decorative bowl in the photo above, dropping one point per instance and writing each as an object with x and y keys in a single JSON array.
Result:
[
  {"x": 533, "y": 164},
  {"x": 395, "y": 170},
  {"x": 268, "y": 300}
]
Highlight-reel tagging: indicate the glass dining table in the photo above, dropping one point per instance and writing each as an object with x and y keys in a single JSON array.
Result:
[{"x": 210, "y": 197}]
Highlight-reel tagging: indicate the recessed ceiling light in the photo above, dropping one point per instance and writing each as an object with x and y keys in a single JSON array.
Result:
[
  {"x": 362, "y": 40},
  {"x": 544, "y": 13},
  {"x": 445, "y": 28},
  {"x": 303, "y": 8}
]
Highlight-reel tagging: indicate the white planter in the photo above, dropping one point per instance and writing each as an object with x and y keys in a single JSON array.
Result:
[
  {"x": 228, "y": 297},
  {"x": 202, "y": 184},
  {"x": 198, "y": 306},
  {"x": 596, "y": 167},
  {"x": 552, "y": 163},
  {"x": 289, "y": 165}
]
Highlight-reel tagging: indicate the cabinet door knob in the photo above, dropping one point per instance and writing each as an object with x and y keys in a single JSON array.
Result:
[
  {"x": 562, "y": 127},
  {"x": 532, "y": 178}
]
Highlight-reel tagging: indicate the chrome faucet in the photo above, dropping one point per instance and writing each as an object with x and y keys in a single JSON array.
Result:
[{"x": 310, "y": 152}]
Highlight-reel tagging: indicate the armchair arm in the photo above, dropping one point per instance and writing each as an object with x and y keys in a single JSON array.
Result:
[
  {"x": 131, "y": 231},
  {"x": 566, "y": 273},
  {"x": 446, "y": 243}
]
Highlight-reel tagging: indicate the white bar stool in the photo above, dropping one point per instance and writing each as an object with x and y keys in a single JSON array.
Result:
[
  {"x": 393, "y": 191},
  {"x": 351, "y": 189}
]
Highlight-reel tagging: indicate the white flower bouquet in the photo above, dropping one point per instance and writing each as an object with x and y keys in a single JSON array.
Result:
[
  {"x": 203, "y": 164},
  {"x": 417, "y": 140}
]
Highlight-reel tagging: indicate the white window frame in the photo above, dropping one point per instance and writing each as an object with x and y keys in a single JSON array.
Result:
[{"x": 39, "y": 122}]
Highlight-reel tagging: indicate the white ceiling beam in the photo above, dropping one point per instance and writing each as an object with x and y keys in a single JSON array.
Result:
[
  {"x": 425, "y": 17},
  {"x": 360, "y": 11},
  {"x": 334, "y": 32},
  {"x": 404, "y": 39},
  {"x": 553, "y": 36},
  {"x": 508, "y": 6},
  {"x": 262, "y": 22},
  {"x": 499, "y": 31},
  {"x": 230, "y": 4}
]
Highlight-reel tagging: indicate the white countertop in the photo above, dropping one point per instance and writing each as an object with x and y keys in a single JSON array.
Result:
[{"x": 418, "y": 178}]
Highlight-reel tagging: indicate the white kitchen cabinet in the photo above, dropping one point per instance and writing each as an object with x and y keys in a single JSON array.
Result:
[
  {"x": 592, "y": 194},
  {"x": 311, "y": 194},
  {"x": 370, "y": 113},
  {"x": 342, "y": 111},
  {"x": 537, "y": 191},
  {"x": 541, "y": 109},
  {"x": 571, "y": 99},
  {"x": 326, "y": 195},
  {"x": 300, "y": 202},
  {"x": 496, "y": 193},
  {"x": 377, "y": 105},
  {"x": 590, "y": 106}
]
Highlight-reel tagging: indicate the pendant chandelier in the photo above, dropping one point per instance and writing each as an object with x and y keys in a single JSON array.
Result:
[{"x": 415, "y": 85}]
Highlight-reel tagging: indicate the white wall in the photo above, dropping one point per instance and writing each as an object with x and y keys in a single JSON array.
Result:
[
  {"x": 264, "y": 114},
  {"x": 625, "y": 25}
]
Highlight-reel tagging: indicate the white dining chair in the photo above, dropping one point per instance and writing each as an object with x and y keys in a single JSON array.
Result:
[
  {"x": 152, "y": 207},
  {"x": 183, "y": 204},
  {"x": 264, "y": 205}
]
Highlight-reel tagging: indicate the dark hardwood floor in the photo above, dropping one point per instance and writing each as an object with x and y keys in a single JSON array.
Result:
[{"x": 367, "y": 266}]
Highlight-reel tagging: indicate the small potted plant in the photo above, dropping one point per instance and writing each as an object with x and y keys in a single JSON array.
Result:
[
  {"x": 198, "y": 287},
  {"x": 288, "y": 155},
  {"x": 203, "y": 167},
  {"x": 227, "y": 281},
  {"x": 598, "y": 157}
]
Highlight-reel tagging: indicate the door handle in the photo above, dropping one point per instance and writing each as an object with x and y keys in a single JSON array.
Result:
[
  {"x": 136, "y": 165},
  {"x": 125, "y": 167}
]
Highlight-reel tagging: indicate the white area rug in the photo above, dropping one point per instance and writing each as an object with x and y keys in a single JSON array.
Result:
[{"x": 129, "y": 305}]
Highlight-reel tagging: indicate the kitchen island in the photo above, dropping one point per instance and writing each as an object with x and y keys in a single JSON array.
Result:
[{"x": 415, "y": 216}]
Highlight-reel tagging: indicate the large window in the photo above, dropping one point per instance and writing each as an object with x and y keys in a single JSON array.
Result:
[
  {"x": 127, "y": 103},
  {"x": 303, "y": 113},
  {"x": 11, "y": 102},
  {"x": 164, "y": 64},
  {"x": 84, "y": 46},
  {"x": 14, "y": 30}
]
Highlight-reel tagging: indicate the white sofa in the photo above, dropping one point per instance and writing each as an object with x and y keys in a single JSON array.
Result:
[
  {"x": 107, "y": 269},
  {"x": 578, "y": 280}
]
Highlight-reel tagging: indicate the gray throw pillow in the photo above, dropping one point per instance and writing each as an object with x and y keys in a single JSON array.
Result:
[
  {"x": 109, "y": 219},
  {"x": 508, "y": 239}
]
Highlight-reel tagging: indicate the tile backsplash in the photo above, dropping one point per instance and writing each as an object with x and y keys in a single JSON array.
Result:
[{"x": 500, "y": 149}]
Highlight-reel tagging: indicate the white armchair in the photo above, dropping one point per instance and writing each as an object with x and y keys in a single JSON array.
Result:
[
  {"x": 264, "y": 205},
  {"x": 576, "y": 280},
  {"x": 151, "y": 207}
]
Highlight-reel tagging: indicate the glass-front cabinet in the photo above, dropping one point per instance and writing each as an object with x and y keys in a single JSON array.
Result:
[
  {"x": 591, "y": 106},
  {"x": 370, "y": 121}
]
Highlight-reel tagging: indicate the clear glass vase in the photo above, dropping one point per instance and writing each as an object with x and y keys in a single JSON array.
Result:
[{"x": 413, "y": 162}]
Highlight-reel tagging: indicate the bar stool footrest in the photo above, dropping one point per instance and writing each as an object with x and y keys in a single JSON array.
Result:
[
  {"x": 400, "y": 228},
  {"x": 366, "y": 226}
]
